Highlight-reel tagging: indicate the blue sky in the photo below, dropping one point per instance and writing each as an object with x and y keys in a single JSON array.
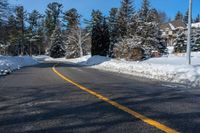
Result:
[{"x": 84, "y": 7}]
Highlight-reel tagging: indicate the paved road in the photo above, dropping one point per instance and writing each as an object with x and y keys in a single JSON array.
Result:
[{"x": 36, "y": 100}]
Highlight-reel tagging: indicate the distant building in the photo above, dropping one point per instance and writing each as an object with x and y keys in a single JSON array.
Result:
[
  {"x": 196, "y": 27},
  {"x": 169, "y": 30}
]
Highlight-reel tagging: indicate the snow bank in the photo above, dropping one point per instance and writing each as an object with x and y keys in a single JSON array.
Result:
[
  {"x": 171, "y": 68},
  {"x": 44, "y": 58},
  {"x": 9, "y": 63}
]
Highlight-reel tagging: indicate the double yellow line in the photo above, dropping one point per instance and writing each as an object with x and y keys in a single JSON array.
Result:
[{"x": 119, "y": 106}]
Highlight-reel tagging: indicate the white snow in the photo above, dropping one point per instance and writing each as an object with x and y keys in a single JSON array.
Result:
[
  {"x": 44, "y": 58},
  {"x": 170, "y": 49},
  {"x": 10, "y": 63}
]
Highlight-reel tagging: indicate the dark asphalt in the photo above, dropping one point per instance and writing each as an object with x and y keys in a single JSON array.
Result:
[{"x": 36, "y": 100}]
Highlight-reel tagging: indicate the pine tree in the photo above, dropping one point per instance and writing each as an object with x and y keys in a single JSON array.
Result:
[
  {"x": 180, "y": 43},
  {"x": 153, "y": 16},
  {"x": 162, "y": 16},
  {"x": 148, "y": 30},
  {"x": 125, "y": 14},
  {"x": 151, "y": 38},
  {"x": 144, "y": 11},
  {"x": 179, "y": 16},
  {"x": 72, "y": 18},
  {"x": 96, "y": 17},
  {"x": 197, "y": 19},
  {"x": 41, "y": 37},
  {"x": 76, "y": 37},
  {"x": 13, "y": 35},
  {"x": 100, "y": 39},
  {"x": 20, "y": 19},
  {"x": 4, "y": 10},
  {"x": 113, "y": 29},
  {"x": 57, "y": 48},
  {"x": 53, "y": 12},
  {"x": 4, "y": 33},
  {"x": 185, "y": 18},
  {"x": 33, "y": 35},
  {"x": 105, "y": 38},
  {"x": 197, "y": 42}
]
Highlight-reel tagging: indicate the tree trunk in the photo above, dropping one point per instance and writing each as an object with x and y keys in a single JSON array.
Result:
[
  {"x": 81, "y": 49},
  {"x": 80, "y": 43},
  {"x": 39, "y": 48},
  {"x": 30, "y": 49}
]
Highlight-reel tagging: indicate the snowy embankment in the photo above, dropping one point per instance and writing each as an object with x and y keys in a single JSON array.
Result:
[{"x": 10, "y": 63}]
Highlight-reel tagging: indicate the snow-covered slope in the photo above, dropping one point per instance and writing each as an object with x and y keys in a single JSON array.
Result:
[{"x": 9, "y": 63}]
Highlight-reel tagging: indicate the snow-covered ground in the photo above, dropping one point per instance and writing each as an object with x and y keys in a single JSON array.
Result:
[
  {"x": 9, "y": 63},
  {"x": 170, "y": 68}
]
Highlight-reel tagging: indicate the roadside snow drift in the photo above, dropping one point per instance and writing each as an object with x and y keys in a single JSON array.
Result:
[{"x": 9, "y": 63}]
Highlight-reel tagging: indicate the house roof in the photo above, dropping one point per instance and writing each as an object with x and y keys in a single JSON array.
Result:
[{"x": 173, "y": 25}]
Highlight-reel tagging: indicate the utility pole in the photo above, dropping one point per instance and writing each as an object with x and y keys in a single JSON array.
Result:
[{"x": 188, "y": 56}]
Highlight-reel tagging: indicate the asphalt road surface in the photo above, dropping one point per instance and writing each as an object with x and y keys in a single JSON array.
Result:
[{"x": 36, "y": 100}]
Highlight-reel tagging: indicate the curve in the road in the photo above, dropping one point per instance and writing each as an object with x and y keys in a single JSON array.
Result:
[{"x": 117, "y": 105}]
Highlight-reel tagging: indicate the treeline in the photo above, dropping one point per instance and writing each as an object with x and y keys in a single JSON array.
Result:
[
  {"x": 184, "y": 17},
  {"x": 125, "y": 33}
]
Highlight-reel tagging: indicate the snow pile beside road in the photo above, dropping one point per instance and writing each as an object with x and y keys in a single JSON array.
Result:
[
  {"x": 44, "y": 58},
  {"x": 171, "y": 68},
  {"x": 9, "y": 63}
]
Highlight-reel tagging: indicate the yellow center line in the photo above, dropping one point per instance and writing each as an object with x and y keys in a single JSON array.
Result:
[{"x": 119, "y": 106}]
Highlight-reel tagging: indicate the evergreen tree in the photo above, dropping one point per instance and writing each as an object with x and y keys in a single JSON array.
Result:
[
  {"x": 76, "y": 37},
  {"x": 180, "y": 43},
  {"x": 41, "y": 37},
  {"x": 96, "y": 17},
  {"x": 4, "y": 13},
  {"x": 72, "y": 18},
  {"x": 125, "y": 14},
  {"x": 185, "y": 18},
  {"x": 179, "y": 16},
  {"x": 162, "y": 16},
  {"x": 148, "y": 30},
  {"x": 153, "y": 16},
  {"x": 151, "y": 38},
  {"x": 197, "y": 42},
  {"x": 13, "y": 35},
  {"x": 4, "y": 10},
  {"x": 53, "y": 12},
  {"x": 105, "y": 39},
  {"x": 20, "y": 21},
  {"x": 57, "y": 48},
  {"x": 144, "y": 11},
  {"x": 34, "y": 36},
  {"x": 113, "y": 29},
  {"x": 197, "y": 19},
  {"x": 100, "y": 39}
]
